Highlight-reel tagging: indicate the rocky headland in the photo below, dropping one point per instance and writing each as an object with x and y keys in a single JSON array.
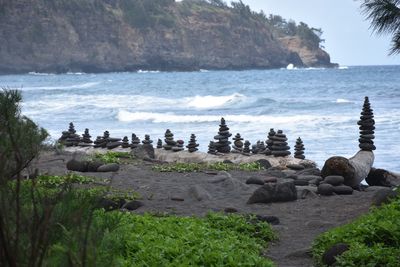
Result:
[{"x": 122, "y": 35}]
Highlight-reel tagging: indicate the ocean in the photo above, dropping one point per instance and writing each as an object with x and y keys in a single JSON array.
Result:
[{"x": 322, "y": 106}]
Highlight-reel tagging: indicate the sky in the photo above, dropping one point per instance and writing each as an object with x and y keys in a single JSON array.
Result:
[{"x": 348, "y": 38}]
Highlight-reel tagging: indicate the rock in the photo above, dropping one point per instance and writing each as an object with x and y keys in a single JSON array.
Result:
[
  {"x": 383, "y": 196},
  {"x": 177, "y": 199},
  {"x": 378, "y": 177},
  {"x": 112, "y": 167},
  {"x": 192, "y": 145},
  {"x": 308, "y": 177},
  {"x": 343, "y": 190},
  {"x": 113, "y": 145},
  {"x": 108, "y": 204},
  {"x": 315, "y": 181},
  {"x": 230, "y": 210},
  {"x": 339, "y": 166},
  {"x": 268, "y": 219},
  {"x": 255, "y": 180},
  {"x": 237, "y": 143},
  {"x": 310, "y": 171},
  {"x": 296, "y": 167},
  {"x": 274, "y": 193},
  {"x": 362, "y": 162},
  {"x": 275, "y": 173},
  {"x": 325, "y": 189},
  {"x": 299, "y": 149},
  {"x": 143, "y": 151},
  {"x": 199, "y": 193},
  {"x": 329, "y": 257},
  {"x": 334, "y": 180},
  {"x": 132, "y": 205},
  {"x": 223, "y": 144},
  {"x": 270, "y": 179},
  {"x": 307, "y": 194},
  {"x": 279, "y": 147},
  {"x": 264, "y": 163},
  {"x": 301, "y": 182},
  {"x": 76, "y": 165},
  {"x": 93, "y": 166}
]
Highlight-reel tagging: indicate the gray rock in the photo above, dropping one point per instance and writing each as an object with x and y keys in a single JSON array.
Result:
[
  {"x": 93, "y": 166},
  {"x": 308, "y": 177},
  {"x": 296, "y": 167},
  {"x": 378, "y": 177},
  {"x": 255, "y": 180},
  {"x": 274, "y": 193},
  {"x": 316, "y": 181},
  {"x": 301, "y": 182},
  {"x": 329, "y": 257},
  {"x": 199, "y": 193},
  {"x": 177, "y": 199},
  {"x": 76, "y": 165},
  {"x": 334, "y": 180},
  {"x": 307, "y": 194},
  {"x": 230, "y": 210},
  {"x": 383, "y": 196},
  {"x": 310, "y": 171},
  {"x": 112, "y": 167},
  {"x": 143, "y": 151},
  {"x": 268, "y": 219},
  {"x": 270, "y": 179},
  {"x": 275, "y": 173},
  {"x": 264, "y": 163},
  {"x": 343, "y": 190},
  {"x": 325, "y": 189},
  {"x": 132, "y": 205}
]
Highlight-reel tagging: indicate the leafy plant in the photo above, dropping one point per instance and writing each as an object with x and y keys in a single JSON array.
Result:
[
  {"x": 374, "y": 239},
  {"x": 56, "y": 181},
  {"x": 111, "y": 157},
  {"x": 218, "y": 166}
]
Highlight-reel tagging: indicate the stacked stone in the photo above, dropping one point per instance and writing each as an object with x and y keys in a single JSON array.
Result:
[
  {"x": 223, "y": 143},
  {"x": 246, "y": 149},
  {"x": 101, "y": 141},
  {"x": 125, "y": 142},
  {"x": 237, "y": 143},
  {"x": 367, "y": 127},
  {"x": 192, "y": 145},
  {"x": 147, "y": 140},
  {"x": 334, "y": 184},
  {"x": 135, "y": 141},
  {"x": 159, "y": 143},
  {"x": 269, "y": 141},
  {"x": 86, "y": 141},
  {"x": 178, "y": 146},
  {"x": 70, "y": 138},
  {"x": 254, "y": 148},
  {"x": 279, "y": 146},
  {"x": 169, "y": 140},
  {"x": 299, "y": 149},
  {"x": 211, "y": 148},
  {"x": 113, "y": 142},
  {"x": 262, "y": 149}
]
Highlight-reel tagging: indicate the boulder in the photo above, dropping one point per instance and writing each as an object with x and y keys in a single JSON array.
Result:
[
  {"x": 334, "y": 180},
  {"x": 230, "y": 210},
  {"x": 338, "y": 166},
  {"x": 132, "y": 205},
  {"x": 310, "y": 171},
  {"x": 325, "y": 189},
  {"x": 296, "y": 167},
  {"x": 199, "y": 193},
  {"x": 108, "y": 204},
  {"x": 329, "y": 257},
  {"x": 143, "y": 151},
  {"x": 255, "y": 180},
  {"x": 383, "y": 196},
  {"x": 269, "y": 192},
  {"x": 362, "y": 162},
  {"x": 307, "y": 193},
  {"x": 93, "y": 166},
  {"x": 112, "y": 167},
  {"x": 343, "y": 190},
  {"x": 379, "y": 177},
  {"x": 268, "y": 219},
  {"x": 301, "y": 182},
  {"x": 265, "y": 164},
  {"x": 77, "y": 165}
]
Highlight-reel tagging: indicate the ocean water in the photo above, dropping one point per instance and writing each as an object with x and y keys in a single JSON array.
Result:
[{"x": 322, "y": 106}]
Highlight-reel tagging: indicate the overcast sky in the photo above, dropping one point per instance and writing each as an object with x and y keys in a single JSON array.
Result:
[{"x": 348, "y": 39}]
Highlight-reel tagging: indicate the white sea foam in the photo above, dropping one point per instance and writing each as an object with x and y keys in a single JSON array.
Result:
[
  {"x": 342, "y": 101},
  {"x": 210, "y": 101},
  {"x": 75, "y": 73},
  {"x": 155, "y": 117},
  {"x": 40, "y": 73},
  {"x": 148, "y": 71},
  {"x": 343, "y": 67},
  {"x": 74, "y": 86}
]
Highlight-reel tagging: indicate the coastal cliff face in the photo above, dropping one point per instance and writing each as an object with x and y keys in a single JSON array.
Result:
[{"x": 127, "y": 35}]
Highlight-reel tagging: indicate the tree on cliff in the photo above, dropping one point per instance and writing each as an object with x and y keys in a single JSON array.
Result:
[{"x": 385, "y": 18}]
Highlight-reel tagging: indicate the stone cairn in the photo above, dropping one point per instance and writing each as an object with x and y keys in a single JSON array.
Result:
[
  {"x": 299, "y": 149},
  {"x": 279, "y": 146},
  {"x": 135, "y": 141},
  {"x": 367, "y": 127},
  {"x": 113, "y": 142},
  {"x": 237, "y": 144},
  {"x": 260, "y": 148},
  {"x": 269, "y": 141},
  {"x": 211, "y": 148},
  {"x": 223, "y": 143},
  {"x": 159, "y": 143},
  {"x": 125, "y": 142},
  {"x": 86, "y": 141},
  {"x": 169, "y": 140},
  {"x": 147, "y": 140},
  {"x": 192, "y": 145},
  {"x": 70, "y": 138},
  {"x": 101, "y": 141},
  {"x": 246, "y": 149},
  {"x": 178, "y": 146}
]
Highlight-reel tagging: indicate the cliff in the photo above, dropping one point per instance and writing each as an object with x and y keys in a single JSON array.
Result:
[{"x": 127, "y": 35}]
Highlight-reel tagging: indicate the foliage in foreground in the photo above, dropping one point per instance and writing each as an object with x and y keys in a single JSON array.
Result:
[
  {"x": 219, "y": 166},
  {"x": 374, "y": 239},
  {"x": 110, "y": 157}
]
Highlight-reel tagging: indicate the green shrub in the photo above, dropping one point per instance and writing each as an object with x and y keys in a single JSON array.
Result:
[
  {"x": 111, "y": 157},
  {"x": 56, "y": 181},
  {"x": 218, "y": 166},
  {"x": 374, "y": 239}
]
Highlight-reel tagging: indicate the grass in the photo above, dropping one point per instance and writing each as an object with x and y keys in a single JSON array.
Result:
[
  {"x": 374, "y": 239},
  {"x": 110, "y": 157},
  {"x": 56, "y": 181},
  {"x": 196, "y": 167}
]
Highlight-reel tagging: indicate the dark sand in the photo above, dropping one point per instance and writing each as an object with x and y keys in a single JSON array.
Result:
[{"x": 300, "y": 221}]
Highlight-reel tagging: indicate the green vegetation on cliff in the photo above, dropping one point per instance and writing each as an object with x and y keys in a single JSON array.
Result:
[{"x": 126, "y": 35}]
